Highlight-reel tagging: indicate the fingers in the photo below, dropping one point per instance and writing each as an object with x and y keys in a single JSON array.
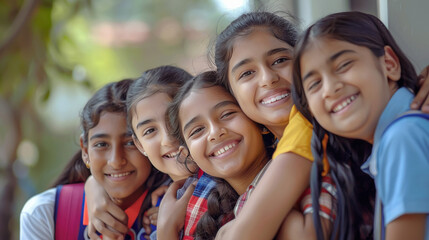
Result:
[
  {"x": 108, "y": 220},
  {"x": 421, "y": 101},
  {"x": 188, "y": 193},
  {"x": 159, "y": 192},
  {"x": 108, "y": 233}
]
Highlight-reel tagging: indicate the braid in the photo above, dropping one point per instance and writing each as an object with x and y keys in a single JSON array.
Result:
[
  {"x": 316, "y": 175},
  {"x": 345, "y": 158},
  {"x": 220, "y": 206}
]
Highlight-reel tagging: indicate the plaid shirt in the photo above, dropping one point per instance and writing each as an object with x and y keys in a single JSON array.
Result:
[{"x": 197, "y": 205}]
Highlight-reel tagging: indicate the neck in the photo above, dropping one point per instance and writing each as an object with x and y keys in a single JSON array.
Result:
[
  {"x": 240, "y": 183},
  {"x": 277, "y": 130},
  {"x": 126, "y": 202}
]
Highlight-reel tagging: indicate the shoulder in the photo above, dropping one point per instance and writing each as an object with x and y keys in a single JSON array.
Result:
[
  {"x": 296, "y": 136},
  {"x": 406, "y": 132},
  {"x": 41, "y": 202},
  {"x": 37, "y": 216}
]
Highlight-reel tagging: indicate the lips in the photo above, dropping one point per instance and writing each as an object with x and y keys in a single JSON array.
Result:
[
  {"x": 118, "y": 175},
  {"x": 224, "y": 148},
  {"x": 273, "y": 98},
  {"x": 344, "y": 103},
  {"x": 171, "y": 154}
]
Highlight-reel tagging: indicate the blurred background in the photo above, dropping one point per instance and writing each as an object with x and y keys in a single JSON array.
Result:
[{"x": 55, "y": 53}]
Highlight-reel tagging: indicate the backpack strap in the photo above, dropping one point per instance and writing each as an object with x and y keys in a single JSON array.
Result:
[{"x": 68, "y": 210}]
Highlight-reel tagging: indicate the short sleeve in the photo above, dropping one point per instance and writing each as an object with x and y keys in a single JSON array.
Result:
[
  {"x": 37, "y": 217},
  {"x": 403, "y": 168},
  {"x": 296, "y": 136}
]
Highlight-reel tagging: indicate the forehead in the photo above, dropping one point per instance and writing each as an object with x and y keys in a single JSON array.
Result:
[
  {"x": 259, "y": 41},
  {"x": 200, "y": 101},
  {"x": 155, "y": 104},
  {"x": 110, "y": 123}
]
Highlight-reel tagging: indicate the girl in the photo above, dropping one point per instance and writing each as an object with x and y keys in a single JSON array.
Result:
[
  {"x": 223, "y": 142},
  {"x": 356, "y": 85},
  {"x": 147, "y": 103},
  {"x": 109, "y": 152},
  {"x": 253, "y": 56}
]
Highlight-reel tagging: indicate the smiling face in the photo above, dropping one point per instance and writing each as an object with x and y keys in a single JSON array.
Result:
[
  {"x": 114, "y": 160},
  {"x": 260, "y": 76},
  {"x": 220, "y": 137},
  {"x": 150, "y": 126},
  {"x": 347, "y": 87}
]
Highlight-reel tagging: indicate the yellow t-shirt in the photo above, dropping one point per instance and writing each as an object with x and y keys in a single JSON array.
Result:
[{"x": 297, "y": 138}]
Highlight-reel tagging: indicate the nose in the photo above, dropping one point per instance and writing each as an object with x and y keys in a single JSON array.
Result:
[
  {"x": 268, "y": 77},
  {"x": 216, "y": 132},
  {"x": 331, "y": 86},
  {"x": 117, "y": 157},
  {"x": 167, "y": 139}
]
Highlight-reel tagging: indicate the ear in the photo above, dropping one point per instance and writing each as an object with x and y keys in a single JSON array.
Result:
[
  {"x": 138, "y": 144},
  {"x": 85, "y": 156},
  {"x": 393, "y": 67}
]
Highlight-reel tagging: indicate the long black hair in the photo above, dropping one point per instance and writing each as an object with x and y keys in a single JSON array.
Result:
[{"x": 355, "y": 189}]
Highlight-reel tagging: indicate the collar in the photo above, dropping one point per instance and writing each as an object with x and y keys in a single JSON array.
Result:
[
  {"x": 399, "y": 103},
  {"x": 132, "y": 211}
]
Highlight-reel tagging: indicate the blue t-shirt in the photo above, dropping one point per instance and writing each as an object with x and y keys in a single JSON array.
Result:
[{"x": 399, "y": 162}]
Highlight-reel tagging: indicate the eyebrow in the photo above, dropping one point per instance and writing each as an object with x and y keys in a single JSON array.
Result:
[
  {"x": 99, "y": 135},
  {"x": 217, "y": 106},
  {"x": 104, "y": 135},
  {"x": 269, "y": 53},
  {"x": 331, "y": 59},
  {"x": 144, "y": 122}
]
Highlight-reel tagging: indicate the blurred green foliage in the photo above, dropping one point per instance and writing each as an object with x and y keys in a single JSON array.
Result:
[{"x": 55, "y": 53}]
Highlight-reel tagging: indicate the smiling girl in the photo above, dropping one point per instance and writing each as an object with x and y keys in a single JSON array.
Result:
[
  {"x": 108, "y": 151},
  {"x": 253, "y": 56},
  {"x": 355, "y": 82}
]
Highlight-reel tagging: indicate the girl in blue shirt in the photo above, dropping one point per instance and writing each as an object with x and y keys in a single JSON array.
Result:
[{"x": 353, "y": 81}]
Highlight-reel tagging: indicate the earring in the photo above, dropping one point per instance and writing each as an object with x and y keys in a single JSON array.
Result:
[
  {"x": 87, "y": 164},
  {"x": 265, "y": 130},
  {"x": 145, "y": 154}
]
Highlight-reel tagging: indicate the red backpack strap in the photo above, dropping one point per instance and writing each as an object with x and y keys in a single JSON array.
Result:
[{"x": 68, "y": 210}]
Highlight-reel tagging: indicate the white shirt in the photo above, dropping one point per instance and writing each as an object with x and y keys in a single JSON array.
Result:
[{"x": 37, "y": 217}]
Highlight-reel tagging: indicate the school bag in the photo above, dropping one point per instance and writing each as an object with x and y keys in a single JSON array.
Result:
[
  {"x": 69, "y": 203},
  {"x": 379, "y": 229}
]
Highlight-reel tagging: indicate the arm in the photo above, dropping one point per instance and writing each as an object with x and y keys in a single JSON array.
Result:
[
  {"x": 104, "y": 215},
  {"x": 421, "y": 101},
  {"x": 409, "y": 226},
  {"x": 292, "y": 173},
  {"x": 172, "y": 211},
  {"x": 299, "y": 226}
]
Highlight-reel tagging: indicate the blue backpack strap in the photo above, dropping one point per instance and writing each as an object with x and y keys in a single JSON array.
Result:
[{"x": 68, "y": 211}]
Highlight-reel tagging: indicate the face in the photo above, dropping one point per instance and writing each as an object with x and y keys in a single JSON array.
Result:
[
  {"x": 220, "y": 137},
  {"x": 150, "y": 126},
  {"x": 260, "y": 75},
  {"x": 114, "y": 160},
  {"x": 347, "y": 86}
]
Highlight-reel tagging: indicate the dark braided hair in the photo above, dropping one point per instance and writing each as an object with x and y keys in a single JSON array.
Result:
[
  {"x": 220, "y": 210},
  {"x": 354, "y": 188}
]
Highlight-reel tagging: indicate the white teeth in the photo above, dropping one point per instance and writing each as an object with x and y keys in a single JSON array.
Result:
[
  {"x": 173, "y": 154},
  {"x": 344, "y": 104},
  {"x": 224, "y": 149},
  {"x": 120, "y": 174},
  {"x": 275, "y": 99}
]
